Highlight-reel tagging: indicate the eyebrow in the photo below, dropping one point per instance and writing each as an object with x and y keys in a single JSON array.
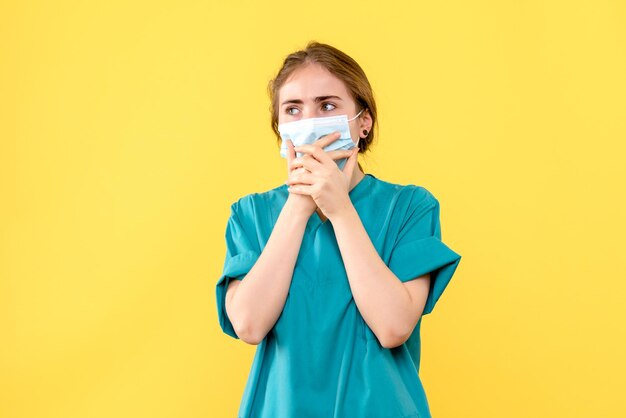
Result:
[{"x": 317, "y": 100}]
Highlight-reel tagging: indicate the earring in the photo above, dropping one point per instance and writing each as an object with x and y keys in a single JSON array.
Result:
[{"x": 365, "y": 132}]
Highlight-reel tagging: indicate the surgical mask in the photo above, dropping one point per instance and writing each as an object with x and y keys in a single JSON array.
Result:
[{"x": 307, "y": 131}]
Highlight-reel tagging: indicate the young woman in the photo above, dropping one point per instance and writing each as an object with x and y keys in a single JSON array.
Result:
[{"x": 330, "y": 274}]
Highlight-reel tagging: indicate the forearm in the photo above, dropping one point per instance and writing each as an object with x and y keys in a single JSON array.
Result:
[
  {"x": 259, "y": 299},
  {"x": 380, "y": 296}
]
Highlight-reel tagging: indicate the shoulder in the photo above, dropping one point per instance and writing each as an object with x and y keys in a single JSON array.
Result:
[
  {"x": 413, "y": 197},
  {"x": 258, "y": 202}
]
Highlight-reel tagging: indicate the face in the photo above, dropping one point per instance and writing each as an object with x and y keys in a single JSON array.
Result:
[{"x": 312, "y": 92}]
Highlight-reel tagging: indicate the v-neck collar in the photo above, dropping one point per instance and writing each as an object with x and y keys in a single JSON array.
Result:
[{"x": 356, "y": 193}]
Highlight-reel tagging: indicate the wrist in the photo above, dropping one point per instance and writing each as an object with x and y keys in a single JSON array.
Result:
[
  {"x": 294, "y": 210},
  {"x": 345, "y": 213}
]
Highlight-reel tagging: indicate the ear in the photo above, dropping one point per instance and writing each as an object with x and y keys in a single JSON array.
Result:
[{"x": 365, "y": 122}]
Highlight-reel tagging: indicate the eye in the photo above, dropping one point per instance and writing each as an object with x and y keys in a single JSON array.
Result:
[
  {"x": 328, "y": 106},
  {"x": 292, "y": 110}
]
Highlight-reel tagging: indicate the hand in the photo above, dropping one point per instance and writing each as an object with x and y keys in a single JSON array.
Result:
[
  {"x": 303, "y": 202},
  {"x": 317, "y": 176}
]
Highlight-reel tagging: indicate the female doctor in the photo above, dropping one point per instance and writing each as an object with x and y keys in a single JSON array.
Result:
[{"x": 330, "y": 273}]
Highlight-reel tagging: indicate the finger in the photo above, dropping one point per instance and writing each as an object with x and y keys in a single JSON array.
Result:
[
  {"x": 315, "y": 151},
  {"x": 301, "y": 189},
  {"x": 340, "y": 153},
  {"x": 297, "y": 171},
  {"x": 308, "y": 162},
  {"x": 304, "y": 178},
  {"x": 349, "y": 167},
  {"x": 328, "y": 139},
  {"x": 291, "y": 154},
  {"x": 322, "y": 142},
  {"x": 294, "y": 174}
]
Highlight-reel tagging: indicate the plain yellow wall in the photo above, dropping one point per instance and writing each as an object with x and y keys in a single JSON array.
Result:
[{"x": 128, "y": 128}]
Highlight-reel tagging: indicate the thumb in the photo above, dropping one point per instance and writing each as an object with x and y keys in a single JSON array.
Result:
[
  {"x": 291, "y": 154},
  {"x": 351, "y": 163}
]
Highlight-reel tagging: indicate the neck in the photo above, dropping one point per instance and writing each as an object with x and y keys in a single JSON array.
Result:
[{"x": 357, "y": 175}]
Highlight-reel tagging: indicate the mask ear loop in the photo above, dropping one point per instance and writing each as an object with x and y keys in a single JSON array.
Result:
[
  {"x": 350, "y": 120},
  {"x": 357, "y": 115}
]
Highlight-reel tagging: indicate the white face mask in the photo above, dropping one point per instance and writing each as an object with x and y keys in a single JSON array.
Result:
[{"x": 307, "y": 131}]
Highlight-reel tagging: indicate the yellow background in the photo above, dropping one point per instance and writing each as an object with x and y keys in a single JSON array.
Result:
[{"x": 128, "y": 128}]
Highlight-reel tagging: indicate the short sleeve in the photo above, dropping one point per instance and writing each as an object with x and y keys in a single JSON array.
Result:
[
  {"x": 420, "y": 250},
  {"x": 241, "y": 255}
]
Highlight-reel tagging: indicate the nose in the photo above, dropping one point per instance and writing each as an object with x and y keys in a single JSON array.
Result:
[{"x": 308, "y": 112}]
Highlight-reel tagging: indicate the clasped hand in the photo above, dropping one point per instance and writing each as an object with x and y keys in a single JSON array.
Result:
[{"x": 317, "y": 175}]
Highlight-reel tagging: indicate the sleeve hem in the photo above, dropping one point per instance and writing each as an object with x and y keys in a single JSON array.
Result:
[
  {"x": 235, "y": 268},
  {"x": 426, "y": 255}
]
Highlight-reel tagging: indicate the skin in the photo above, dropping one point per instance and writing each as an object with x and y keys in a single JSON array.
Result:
[{"x": 390, "y": 307}]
